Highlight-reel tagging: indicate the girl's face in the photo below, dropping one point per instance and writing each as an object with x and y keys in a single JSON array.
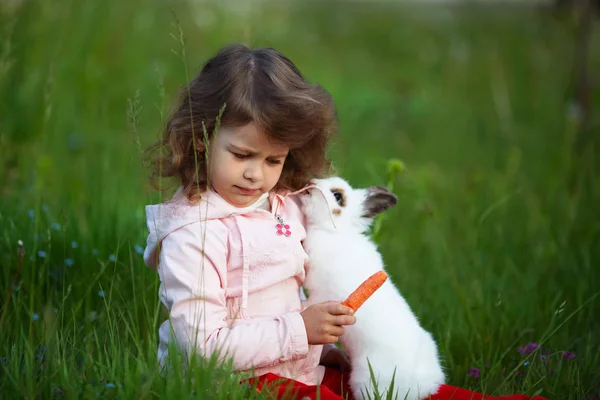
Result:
[{"x": 244, "y": 164}]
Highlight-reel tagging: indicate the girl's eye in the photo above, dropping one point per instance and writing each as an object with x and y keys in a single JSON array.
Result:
[
  {"x": 240, "y": 156},
  {"x": 338, "y": 197},
  {"x": 274, "y": 162}
]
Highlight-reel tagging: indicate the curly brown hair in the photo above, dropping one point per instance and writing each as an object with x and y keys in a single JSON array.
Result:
[{"x": 261, "y": 86}]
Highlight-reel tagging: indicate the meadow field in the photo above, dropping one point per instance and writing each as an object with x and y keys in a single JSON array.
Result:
[{"x": 495, "y": 240}]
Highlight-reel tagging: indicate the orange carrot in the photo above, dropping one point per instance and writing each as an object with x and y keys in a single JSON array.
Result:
[{"x": 365, "y": 290}]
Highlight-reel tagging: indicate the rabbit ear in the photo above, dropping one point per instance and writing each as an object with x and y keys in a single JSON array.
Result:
[{"x": 378, "y": 200}]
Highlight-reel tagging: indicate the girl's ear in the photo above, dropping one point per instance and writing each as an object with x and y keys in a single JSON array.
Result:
[
  {"x": 198, "y": 146},
  {"x": 378, "y": 200}
]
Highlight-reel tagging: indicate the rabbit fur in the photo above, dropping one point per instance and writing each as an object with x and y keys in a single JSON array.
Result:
[{"x": 341, "y": 256}]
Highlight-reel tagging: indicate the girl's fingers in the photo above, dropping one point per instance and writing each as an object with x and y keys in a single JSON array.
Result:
[
  {"x": 331, "y": 339},
  {"x": 339, "y": 309},
  {"x": 342, "y": 320},
  {"x": 336, "y": 330}
]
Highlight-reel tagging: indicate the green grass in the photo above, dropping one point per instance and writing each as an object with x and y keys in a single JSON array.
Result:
[{"x": 495, "y": 241}]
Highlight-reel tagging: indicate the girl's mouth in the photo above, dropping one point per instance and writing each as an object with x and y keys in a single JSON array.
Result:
[{"x": 247, "y": 191}]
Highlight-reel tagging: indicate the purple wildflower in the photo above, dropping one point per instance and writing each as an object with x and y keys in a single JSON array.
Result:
[
  {"x": 474, "y": 372},
  {"x": 569, "y": 355},
  {"x": 526, "y": 350}
]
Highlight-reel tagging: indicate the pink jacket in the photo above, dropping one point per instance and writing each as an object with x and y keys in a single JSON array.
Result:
[{"x": 242, "y": 299}]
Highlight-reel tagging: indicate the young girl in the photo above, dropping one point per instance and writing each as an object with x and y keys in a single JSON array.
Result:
[{"x": 228, "y": 245}]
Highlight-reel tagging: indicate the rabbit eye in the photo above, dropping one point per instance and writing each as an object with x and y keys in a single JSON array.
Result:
[{"x": 339, "y": 197}]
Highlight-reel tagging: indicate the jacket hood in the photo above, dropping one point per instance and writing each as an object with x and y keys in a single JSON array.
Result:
[{"x": 167, "y": 217}]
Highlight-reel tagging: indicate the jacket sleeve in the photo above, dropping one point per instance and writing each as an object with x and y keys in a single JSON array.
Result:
[{"x": 193, "y": 272}]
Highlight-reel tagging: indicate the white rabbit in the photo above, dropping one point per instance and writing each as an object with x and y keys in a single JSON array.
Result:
[{"x": 341, "y": 256}]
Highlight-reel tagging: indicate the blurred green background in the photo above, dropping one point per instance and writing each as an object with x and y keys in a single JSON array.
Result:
[{"x": 494, "y": 242}]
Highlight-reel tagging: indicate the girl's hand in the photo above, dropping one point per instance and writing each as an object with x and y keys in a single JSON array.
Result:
[
  {"x": 336, "y": 358},
  {"x": 325, "y": 322}
]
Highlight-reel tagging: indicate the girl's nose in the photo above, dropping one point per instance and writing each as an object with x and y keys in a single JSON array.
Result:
[{"x": 253, "y": 173}]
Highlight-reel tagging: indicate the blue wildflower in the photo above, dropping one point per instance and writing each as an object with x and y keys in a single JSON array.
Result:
[
  {"x": 74, "y": 142},
  {"x": 31, "y": 213},
  {"x": 40, "y": 351},
  {"x": 56, "y": 226},
  {"x": 101, "y": 293},
  {"x": 35, "y": 316},
  {"x": 526, "y": 363},
  {"x": 95, "y": 252},
  {"x": 55, "y": 310},
  {"x": 69, "y": 262},
  {"x": 110, "y": 385},
  {"x": 139, "y": 249},
  {"x": 112, "y": 258},
  {"x": 41, "y": 254},
  {"x": 74, "y": 244},
  {"x": 57, "y": 273},
  {"x": 15, "y": 287},
  {"x": 58, "y": 392}
]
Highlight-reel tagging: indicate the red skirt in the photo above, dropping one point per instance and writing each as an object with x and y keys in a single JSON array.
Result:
[{"x": 335, "y": 387}]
